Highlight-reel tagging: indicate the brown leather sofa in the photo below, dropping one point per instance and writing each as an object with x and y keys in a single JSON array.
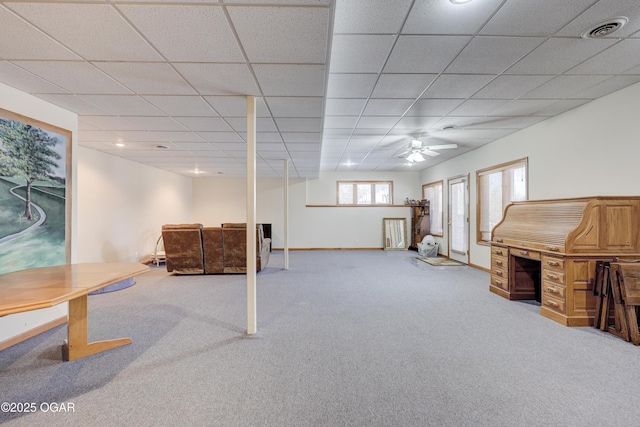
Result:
[{"x": 194, "y": 249}]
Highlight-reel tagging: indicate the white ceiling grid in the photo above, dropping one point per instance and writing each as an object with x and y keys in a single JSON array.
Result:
[{"x": 341, "y": 84}]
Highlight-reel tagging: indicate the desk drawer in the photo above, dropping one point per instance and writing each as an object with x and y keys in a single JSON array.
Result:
[
  {"x": 498, "y": 262},
  {"x": 553, "y": 276},
  {"x": 553, "y": 290},
  {"x": 554, "y": 304},
  {"x": 526, "y": 253},
  {"x": 499, "y": 250},
  {"x": 552, "y": 263},
  {"x": 500, "y": 282}
]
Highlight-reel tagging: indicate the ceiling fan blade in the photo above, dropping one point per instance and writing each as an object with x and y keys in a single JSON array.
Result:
[
  {"x": 429, "y": 152},
  {"x": 441, "y": 147}
]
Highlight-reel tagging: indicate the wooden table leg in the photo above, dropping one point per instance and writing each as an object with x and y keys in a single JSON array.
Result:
[{"x": 77, "y": 345}]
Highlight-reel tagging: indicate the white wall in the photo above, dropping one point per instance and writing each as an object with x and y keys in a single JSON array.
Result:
[
  {"x": 592, "y": 150},
  {"x": 29, "y": 106},
  {"x": 224, "y": 200},
  {"x": 122, "y": 206},
  {"x": 118, "y": 206}
]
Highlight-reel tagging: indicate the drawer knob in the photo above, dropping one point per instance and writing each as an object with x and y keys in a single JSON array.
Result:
[
  {"x": 497, "y": 282},
  {"x": 498, "y": 262},
  {"x": 553, "y": 263},
  {"x": 498, "y": 252},
  {"x": 552, "y": 276},
  {"x": 553, "y": 248},
  {"x": 553, "y": 304},
  {"x": 498, "y": 273},
  {"x": 524, "y": 253},
  {"x": 499, "y": 240},
  {"x": 553, "y": 290}
]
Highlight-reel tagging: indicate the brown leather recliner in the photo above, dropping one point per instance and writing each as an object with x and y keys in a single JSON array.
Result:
[
  {"x": 234, "y": 237},
  {"x": 193, "y": 249},
  {"x": 183, "y": 248}
]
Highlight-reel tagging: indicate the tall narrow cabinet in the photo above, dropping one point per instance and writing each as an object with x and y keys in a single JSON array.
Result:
[{"x": 420, "y": 222}]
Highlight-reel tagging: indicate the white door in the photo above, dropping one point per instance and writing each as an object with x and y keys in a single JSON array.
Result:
[{"x": 459, "y": 219}]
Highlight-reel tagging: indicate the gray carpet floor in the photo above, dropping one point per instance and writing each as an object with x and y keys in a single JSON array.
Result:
[{"x": 345, "y": 338}]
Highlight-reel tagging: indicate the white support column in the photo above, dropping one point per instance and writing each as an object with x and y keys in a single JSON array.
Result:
[
  {"x": 286, "y": 214},
  {"x": 252, "y": 322}
]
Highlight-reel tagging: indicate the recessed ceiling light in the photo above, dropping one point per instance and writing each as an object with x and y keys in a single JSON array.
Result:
[
  {"x": 459, "y": 1},
  {"x": 119, "y": 144}
]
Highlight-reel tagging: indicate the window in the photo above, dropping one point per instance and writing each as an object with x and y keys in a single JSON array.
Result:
[
  {"x": 497, "y": 187},
  {"x": 433, "y": 193},
  {"x": 365, "y": 193}
]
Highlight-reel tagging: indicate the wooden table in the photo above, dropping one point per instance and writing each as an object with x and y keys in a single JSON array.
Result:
[{"x": 45, "y": 287}]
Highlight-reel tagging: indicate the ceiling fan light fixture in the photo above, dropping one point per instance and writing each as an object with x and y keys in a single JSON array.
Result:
[{"x": 415, "y": 157}]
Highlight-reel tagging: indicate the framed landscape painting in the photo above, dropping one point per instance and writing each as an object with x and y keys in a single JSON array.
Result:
[{"x": 35, "y": 177}]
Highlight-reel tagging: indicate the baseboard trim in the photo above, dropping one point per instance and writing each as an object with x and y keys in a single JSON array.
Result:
[
  {"x": 329, "y": 249},
  {"x": 32, "y": 332}
]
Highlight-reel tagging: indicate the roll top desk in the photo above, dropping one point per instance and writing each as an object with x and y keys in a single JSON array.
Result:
[{"x": 547, "y": 250}]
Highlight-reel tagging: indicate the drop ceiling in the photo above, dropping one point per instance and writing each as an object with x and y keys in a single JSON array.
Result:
[{"x": 341, "y": 85}]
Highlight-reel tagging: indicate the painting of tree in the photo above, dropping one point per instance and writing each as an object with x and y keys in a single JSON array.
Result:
[
  {"x": 34, "y": 209},
  {"x": 27, "y": 153}
]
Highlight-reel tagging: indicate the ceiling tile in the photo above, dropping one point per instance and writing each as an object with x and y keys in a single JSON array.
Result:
[
  {"x": 402, "y": 85},
  {"x": 122, "y": 105},
  {"x": 557, "y": 55},
  {"x": 387, "y": 107},
  {"x": 155, "y": 123},
  {"x": 74, "y": 76},
  {"x": 424, "y": 54},
  {"x": 457, "y": 85},
  {"x": 22, "y": 80},
  {"x": 606, "y": 87},
  {"x": 511, "y": 86},
  {"x": 377, "y": 122},
  {"x": 287, "y": 124},
  {"x": 204, "y": 124},
  {"x": 135, "y": 76},
  {"x": 186, "y": 33},
  {"x": 534, "y": 18},
  {"x": 564, "y": 87},
  {"x": 433, "y": 107},
  {"x": 522, "y": 107},
  {"x": 560, "y": 107},
  {"x": 295, "y": 106},
  {"x": 615, "y": 60},
  {"x": 22, "y": 41},
  {"x": 492, "y": 55},
  {"x": 218, "y": 137},
  {"x": 359, "y": 53},
  {"x": 282, "y": 34},
  {"x": 344, "y": 107},
  {"x": 339, "y": 122},
  {"x": 290, "y": 80},
  {"x": 350, "y": 85},
  {"x": 444, "y": 17},
  {"x": 108, "y": 122},
  {"x": 111, "y": 37},
  {"x": 370, "y": 16},
  {"x": 302, "y": 137},
  {"x": 74, "y": 103},
  {"x": 478, "y": 107},
  {"x": 263, "y": 124},
  {"x": 181, "y": 105},
  {"x": 236, "y": 106},
  {"x": 230, "y": 79}
]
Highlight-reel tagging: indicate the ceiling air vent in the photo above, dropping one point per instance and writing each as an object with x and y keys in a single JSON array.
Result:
[{"x": 604, "y": 28}]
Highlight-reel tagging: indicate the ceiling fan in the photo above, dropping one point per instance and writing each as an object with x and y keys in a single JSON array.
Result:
[{"x": 415, "y": 151}]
